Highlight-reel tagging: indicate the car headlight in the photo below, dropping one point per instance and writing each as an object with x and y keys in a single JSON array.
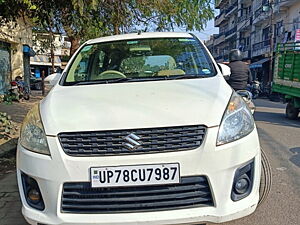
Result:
[
  {"x": 33, "y": 136},
  {"x": 237, "y": 121}
]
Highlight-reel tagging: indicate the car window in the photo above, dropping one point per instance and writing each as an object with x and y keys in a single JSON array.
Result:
[
  {"x": 136, "y": 59},
  {"x": 147, "y": 65}
]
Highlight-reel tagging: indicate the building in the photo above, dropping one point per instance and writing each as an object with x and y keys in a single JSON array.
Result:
[
  {"x": 245, "y": 24},
  {"x": 15, "y": 50},
  {"x": 43, "y": 47}
]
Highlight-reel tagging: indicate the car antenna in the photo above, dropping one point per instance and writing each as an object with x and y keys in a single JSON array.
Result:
[{"x": 139, "y": 32}]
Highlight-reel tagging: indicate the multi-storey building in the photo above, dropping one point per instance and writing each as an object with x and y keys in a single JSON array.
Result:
[
  {"x": 15, "y": 50},
  {"x": 227, "y": 23},
  {"x": 248, "y": 25},
  {"x": 42, "y": 61}
]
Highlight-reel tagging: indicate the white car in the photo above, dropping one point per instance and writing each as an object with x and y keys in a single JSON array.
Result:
[{"x": 141, "y": 129}]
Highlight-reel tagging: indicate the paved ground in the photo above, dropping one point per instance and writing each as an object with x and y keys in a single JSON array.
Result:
[{"x": 280, "y": 138}]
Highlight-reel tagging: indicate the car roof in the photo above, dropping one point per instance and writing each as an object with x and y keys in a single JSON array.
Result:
[{"x": 142, "y": 35}]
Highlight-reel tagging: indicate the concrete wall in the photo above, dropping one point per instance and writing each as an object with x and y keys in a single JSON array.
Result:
[{"x": 17, "y": 35}]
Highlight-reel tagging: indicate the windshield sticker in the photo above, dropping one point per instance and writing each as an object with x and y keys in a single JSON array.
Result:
[
  {"x": 206, "y": 71},
  {"x": 132, "y": 42},
  {"x": 86, "y": 48}
]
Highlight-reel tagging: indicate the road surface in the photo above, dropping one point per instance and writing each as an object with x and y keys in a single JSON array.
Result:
[{"x": 280, "y": 138}]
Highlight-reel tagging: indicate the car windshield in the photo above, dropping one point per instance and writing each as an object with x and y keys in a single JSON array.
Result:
[{"x": 140, "y": 60}]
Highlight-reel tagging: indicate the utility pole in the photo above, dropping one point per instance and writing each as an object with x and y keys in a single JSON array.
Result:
[{"x": 271, "y": 41}]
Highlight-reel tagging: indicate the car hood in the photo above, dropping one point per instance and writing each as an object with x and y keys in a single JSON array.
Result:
[{"x": 135, "y": 105}]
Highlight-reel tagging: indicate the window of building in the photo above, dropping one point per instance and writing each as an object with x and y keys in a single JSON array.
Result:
[
  {"x": 296, "y": 23},
  {"x": 266, "y": 33}
]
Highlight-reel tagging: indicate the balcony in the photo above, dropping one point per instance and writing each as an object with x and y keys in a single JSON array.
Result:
[
  {"x": 285, "y": 3},
  {"x": 244, "y": 22},
  {"x": 245, "y": 1},
  {"x": 230, "y": 33},
  {"x": 232, "y": 8},
  {"x": 246, "y": 51},
  {"x": 260, "y": 17},
  {"x": 261, "y": 48},
  {"x": 209, "y": 43},
  {"x": 219, "y": 3},
  {"x": 219, "y": 38},
  {"x": 220, "y": 18}
]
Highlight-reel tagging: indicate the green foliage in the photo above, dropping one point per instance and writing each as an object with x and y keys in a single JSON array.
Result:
[
  {"x": 9, "y": 98},
  {"x": 86, "y": 19},
  {"x": 7, "y": 128}
]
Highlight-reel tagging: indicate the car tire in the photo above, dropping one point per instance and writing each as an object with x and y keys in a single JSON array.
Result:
[
  {"x": 266, "y": 178},
  {"x": 38, "y": 86},
  {"x": 26, "y": 96},
  {"x": 291, "y": 112}
]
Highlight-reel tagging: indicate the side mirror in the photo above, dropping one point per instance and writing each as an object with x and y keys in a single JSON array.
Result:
[{"x": 225, "y": 70}]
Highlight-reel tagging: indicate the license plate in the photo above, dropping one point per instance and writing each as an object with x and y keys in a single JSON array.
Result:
[{"x": 135, "y": 175}]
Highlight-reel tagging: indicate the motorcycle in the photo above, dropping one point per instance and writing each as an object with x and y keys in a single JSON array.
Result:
[
  {"x": 18, "y": 89},
  {"x": 248, "y": 98},
  {"x": 255, "y": 89}
]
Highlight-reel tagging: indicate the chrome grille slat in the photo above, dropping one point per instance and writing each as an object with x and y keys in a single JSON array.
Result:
[
  {"x": 153, "y": 140},
  {"x": 82, "y": 198}
]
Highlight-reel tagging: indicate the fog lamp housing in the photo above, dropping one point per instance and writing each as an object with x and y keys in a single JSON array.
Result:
[
  {"x": 32, "y": 192},
  {"x": 243, "y": 182}
]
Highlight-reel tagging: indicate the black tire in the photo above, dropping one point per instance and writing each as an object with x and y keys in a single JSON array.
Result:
[
  {"x": 291, "y": 112},
  {"x": 38, "y": 86},
  {"x": 255, "y": 95},
  {"x": 266, "y": 178},
  {"x": 26, "y": 96}
]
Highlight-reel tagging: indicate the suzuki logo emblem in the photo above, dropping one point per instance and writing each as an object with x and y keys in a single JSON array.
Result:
[{"x": 132, "y": 141}]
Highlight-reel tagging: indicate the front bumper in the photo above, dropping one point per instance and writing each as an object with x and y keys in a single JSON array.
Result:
[{"x": 218, "y": 164}]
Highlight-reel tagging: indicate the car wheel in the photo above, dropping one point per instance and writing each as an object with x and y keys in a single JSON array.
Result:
[
  {"x": 38, "y": 86},
  {"x": 266, "y": 178},
  {"x": 26, "y": 96},
  {"x": 291, "y": 112}
]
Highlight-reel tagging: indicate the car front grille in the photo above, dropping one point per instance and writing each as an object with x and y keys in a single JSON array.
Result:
[
  {"x": 190, "y": 192},
  {"x": 134, "y": 141}
]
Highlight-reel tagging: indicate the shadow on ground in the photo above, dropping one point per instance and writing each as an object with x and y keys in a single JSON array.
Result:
[
  {"x": 295, "y": 159},
  {"x": 275, "y": 118}
]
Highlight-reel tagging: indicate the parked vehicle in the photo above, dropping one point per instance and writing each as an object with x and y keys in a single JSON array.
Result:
[
  {"x": 52, "y": 79},
  {"x": 35, "y": 83},
  {"x": 22, "y": 88},
  {"x": 140, "y": 129},
  {"x": 18, "y": 89},
  {"x": 287, "y": 77}
]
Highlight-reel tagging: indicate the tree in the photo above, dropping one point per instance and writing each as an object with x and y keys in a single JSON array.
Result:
[{"x": 84, "y": 19}]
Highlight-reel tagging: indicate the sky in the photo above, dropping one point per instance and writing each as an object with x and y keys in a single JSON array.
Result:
[{"x": 209, "y": 30}]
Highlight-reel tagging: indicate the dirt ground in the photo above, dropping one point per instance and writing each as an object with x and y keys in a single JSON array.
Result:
[{"x": 17, "y": 111}]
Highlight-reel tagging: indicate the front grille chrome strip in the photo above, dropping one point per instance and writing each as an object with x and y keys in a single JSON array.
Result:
[
  {"x": 190, "y": 192},
  {"x": 132, "y": 141}
]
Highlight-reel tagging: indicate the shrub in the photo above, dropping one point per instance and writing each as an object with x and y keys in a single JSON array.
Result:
[{"x": 7, "y": 127}]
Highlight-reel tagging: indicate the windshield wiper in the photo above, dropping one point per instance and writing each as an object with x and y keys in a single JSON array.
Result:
[
  {"x": 137, "y": 79},
  {"x": 108, "y": 81},
  {"x": 187, "y": 77}
]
